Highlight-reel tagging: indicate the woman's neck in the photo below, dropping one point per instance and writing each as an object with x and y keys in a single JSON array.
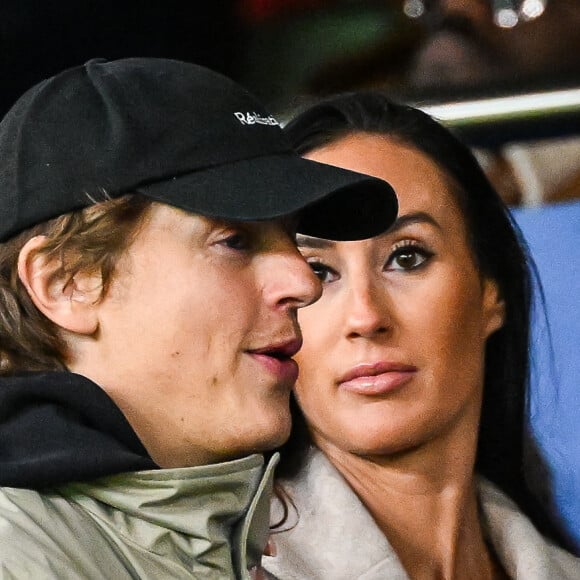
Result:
[{"x": 425, "y": 502}]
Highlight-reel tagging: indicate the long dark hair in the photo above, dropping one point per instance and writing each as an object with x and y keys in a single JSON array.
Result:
[{"x": 500, "y": 254}]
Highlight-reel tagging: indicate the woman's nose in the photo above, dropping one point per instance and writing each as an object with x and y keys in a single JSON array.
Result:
[{"x": 366, "y": 311}]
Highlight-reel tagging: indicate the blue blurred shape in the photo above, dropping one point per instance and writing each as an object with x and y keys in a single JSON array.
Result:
[{"x": 553, "y": 235}]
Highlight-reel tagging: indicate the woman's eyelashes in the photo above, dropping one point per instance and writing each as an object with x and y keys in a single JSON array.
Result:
[
  {"x": 406, "y": 256},
  {"x": 324, "y": 273}
]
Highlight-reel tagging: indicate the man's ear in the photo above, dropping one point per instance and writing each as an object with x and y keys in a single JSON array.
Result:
[
  {"x": 70, "y": 303},
  {"x": 493, "y": 307}
]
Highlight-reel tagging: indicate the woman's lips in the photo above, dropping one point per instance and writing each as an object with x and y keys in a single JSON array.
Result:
[{"x": 376, "y": 378}]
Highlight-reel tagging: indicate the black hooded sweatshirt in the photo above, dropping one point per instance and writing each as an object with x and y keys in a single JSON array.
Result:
[{"x": 60, "y": 427}]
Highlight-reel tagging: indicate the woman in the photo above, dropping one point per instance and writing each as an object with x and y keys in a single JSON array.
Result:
[{"x": 406, "y": 459}]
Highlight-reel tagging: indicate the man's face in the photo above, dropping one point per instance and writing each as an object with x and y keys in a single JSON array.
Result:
[
  {"x": 464, "y": 48},
  {"x": 196, "y": 334}
]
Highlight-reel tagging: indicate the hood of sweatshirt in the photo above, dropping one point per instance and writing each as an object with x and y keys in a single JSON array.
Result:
[{"x": 58, "y": 427}]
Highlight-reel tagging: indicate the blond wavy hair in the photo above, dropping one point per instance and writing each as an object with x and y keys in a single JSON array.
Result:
[{"x": 89, "y": 240}]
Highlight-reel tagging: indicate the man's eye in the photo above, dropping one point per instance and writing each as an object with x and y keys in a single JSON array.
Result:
[
  {"x": 237, "y": 241},
  {"x": 408, "y": 258},
  {"x": 324, "y": 273}
]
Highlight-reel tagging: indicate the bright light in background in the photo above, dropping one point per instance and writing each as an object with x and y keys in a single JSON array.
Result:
[
  {"x": 531, "y": 9},
  {"x": 506, "y": 13},
  {"x": 414, "y": 8},
  {"x": 509, "y": 13},
  {"x": 506, "y": 18}
]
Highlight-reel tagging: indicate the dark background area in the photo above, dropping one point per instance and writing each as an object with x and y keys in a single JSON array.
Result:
[
  {"x": 285, "y": 51},
  {"x": 38, "y": 39},
  {"x": 289, "y": 52}
]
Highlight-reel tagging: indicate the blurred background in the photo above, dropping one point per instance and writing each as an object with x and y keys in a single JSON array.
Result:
[
  {"x": 426, "y": 52},
  {"x": 503, "y": 74},
  {"x": 471, "y": 53}
]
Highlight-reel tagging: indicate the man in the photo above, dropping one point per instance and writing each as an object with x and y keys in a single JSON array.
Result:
[
  {"x": 472, "y": 44},
  {"x": 149, "y": 284},
  {"x": 483, "y": 47}
]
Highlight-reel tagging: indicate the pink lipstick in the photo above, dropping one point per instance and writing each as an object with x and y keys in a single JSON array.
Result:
[{"x": 377, "y": 378}]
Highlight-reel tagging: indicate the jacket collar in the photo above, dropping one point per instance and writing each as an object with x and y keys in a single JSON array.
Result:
[
  {"x": 522, "y": 550},
  {"x": 330, "y": 534},
  {"x": 212, "y": 515}
]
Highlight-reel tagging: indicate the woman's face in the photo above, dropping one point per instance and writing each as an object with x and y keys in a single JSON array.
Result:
[{"x": 393, "y": 352}]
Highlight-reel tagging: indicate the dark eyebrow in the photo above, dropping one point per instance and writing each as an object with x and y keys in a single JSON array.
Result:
[
  {"x": 419, "y": 217},
  {"x": 309, "y": 242}
]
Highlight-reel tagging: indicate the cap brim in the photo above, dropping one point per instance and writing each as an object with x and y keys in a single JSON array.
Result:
[{"x": 331, "y": 203}]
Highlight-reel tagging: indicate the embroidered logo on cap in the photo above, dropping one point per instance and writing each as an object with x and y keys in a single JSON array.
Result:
[{"x": 254, "y": 118}]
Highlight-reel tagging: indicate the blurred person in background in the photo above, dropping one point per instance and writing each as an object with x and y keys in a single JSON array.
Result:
[
  {"x": 484, "y": 47},
  {"x": 472, "y": 44},
  {"x": 435, "y": 47},
  {"x": 430, "y": 51}
]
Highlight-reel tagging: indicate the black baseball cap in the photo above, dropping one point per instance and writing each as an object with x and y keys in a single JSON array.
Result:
[{"x": 178, "y": 133}]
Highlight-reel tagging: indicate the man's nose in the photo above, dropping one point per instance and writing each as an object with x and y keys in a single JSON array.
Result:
[{"x": 291, "y": 281}]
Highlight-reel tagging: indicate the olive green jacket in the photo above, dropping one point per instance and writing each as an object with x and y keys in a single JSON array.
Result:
[{"x": 208, "y": 522}]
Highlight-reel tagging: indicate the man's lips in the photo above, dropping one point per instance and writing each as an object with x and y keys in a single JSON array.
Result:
[
  {"x": 276, "y": 358},
  {"x": 376, "y": 378},
  {"x": 282, "y": 349}
]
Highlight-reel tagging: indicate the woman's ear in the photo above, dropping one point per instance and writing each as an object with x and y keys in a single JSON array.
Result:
[
  {"x": 493, "y": 307},
  {"x": 70, "y": 303}
]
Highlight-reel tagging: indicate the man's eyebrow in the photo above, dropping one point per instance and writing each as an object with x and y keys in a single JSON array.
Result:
[
  {"x": 419, "y": 217},
  {"x": 309, "y": 242}
]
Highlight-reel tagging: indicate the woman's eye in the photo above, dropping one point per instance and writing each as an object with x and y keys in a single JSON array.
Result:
[
  {"x": 408, "y": 258},
  {"x": 324, "y": 273}
]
